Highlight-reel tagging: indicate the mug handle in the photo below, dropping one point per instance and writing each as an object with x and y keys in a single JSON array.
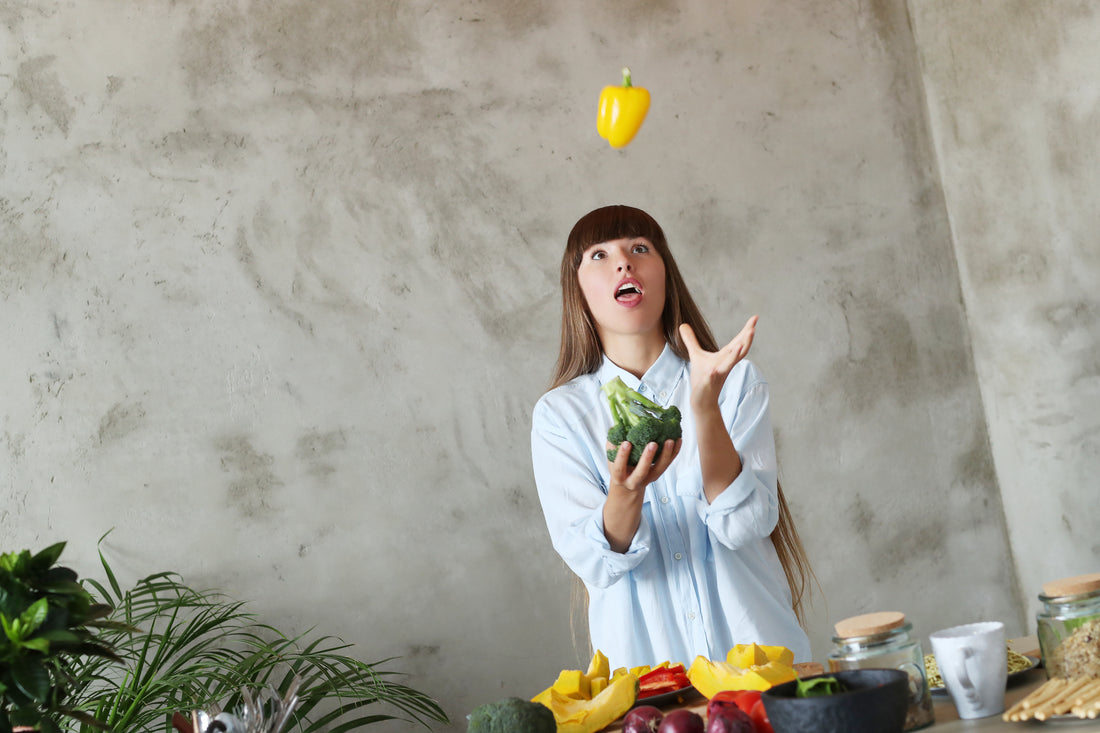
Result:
[{"x": 964, "y": 678}]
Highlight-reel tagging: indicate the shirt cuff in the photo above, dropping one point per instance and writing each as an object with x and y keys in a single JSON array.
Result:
[
  {"x": 738, "y": 490},
  {"x": 619, "y": 563}
]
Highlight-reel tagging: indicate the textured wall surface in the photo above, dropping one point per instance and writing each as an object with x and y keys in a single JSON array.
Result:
[
  {"x": 279, "y": 290},
  {"x": 1015, "y": 105}
]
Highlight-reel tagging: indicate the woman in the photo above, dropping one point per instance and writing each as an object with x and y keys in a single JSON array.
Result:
[{"x": 694, "y": 552}]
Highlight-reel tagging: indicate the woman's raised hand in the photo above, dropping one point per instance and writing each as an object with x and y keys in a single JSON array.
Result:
[{"x": 709, "y": 369}]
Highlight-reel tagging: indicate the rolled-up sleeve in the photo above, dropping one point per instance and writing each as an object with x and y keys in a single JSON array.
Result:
[
  {"x": 748, "y": 509},
  {"x": 573, "y": 494}
]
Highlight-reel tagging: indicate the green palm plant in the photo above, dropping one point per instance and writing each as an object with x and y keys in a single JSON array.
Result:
[
  {"x": 50, "y": 623},
  {"x": 184, "y": 649}
]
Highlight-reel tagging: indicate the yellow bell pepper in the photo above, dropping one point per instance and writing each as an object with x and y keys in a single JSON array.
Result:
[{"x": 622, "y": 111}]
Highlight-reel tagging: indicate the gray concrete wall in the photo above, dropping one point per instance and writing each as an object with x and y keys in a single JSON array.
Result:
[
  {"x": 1015, "y": 109},
  {"x": 278, "y": 285}
]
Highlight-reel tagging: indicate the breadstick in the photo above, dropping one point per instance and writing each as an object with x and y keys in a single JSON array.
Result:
[
  {"x": 1062, "y": 702},
  {"x": 1040, "y": 701},
  {"x": 1089, "y": 692},
  {"x": 1022, "y": 710},
  {"x": 1088, "y": 701},
  {"x": 1047, "y": 691}
]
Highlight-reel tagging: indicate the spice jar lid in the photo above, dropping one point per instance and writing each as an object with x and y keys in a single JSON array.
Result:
[
  {"x": 1074, "y": 586},
  {"x": 869, "y": 624}
]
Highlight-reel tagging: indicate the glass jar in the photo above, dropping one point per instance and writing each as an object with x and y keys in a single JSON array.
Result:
[
  {"x": 1068, "y": 626},
  {"x": 885, "y": 640}
]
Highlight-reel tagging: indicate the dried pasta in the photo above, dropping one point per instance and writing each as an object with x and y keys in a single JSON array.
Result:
[{"x": 1016, "y": 663}]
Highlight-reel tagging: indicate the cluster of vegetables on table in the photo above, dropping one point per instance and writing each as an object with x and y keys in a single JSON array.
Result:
[{"x": 587, "y": 701}]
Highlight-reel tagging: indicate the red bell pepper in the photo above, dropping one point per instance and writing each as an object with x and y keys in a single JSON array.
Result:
[
  {"x": 661, "y": 680},
  {"x": 759, "y": 717},
  {"x": 742, "y": 699}
]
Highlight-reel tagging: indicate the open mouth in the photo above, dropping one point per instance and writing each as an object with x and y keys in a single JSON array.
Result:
[{"x": 628, "y": 290}]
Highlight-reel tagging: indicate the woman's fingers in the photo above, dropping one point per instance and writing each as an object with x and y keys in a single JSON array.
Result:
[
  {"x": 639, "y": 477},
  {"x": 688, "y": 336},
  {"x": 670, "y": 450},
  {"x": 746, "y": 336},
  {"x": 655, "y": 468},
  {"x": 738, "y": 348},
  {"x": 631, "y": 478},
  {"x": 620, "y": 468},
  {"x": 649, "y": 467}
]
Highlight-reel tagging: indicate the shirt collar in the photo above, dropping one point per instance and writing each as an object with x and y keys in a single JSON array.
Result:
[{"x": 660, "y": 379}]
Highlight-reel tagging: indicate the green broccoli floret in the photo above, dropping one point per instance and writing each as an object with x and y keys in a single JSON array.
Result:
[
  {"x": 512, "y": 715},
  {"x": 639, "y": 420}
]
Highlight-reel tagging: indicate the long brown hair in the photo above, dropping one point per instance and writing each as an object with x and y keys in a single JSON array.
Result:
[{"x": 582, "y": 353}]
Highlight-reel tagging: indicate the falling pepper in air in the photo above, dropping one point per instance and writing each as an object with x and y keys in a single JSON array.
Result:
[{"x": 622, "y": 111}]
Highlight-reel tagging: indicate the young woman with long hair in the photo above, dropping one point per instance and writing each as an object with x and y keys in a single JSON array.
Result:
[{"x": 694, "y": 551}]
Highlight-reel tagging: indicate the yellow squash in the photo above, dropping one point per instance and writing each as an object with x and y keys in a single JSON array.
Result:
[
  {"x": 579, "y": 685},
  {"x": 586, "y": 702},
  {"x": 589, "y": 716},
  {"x": 747, "y": 667},
  {"x": 748, "y": 655}
]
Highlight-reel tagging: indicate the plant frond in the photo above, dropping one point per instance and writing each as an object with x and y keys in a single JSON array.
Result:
[{"x": 184, "y": 648}]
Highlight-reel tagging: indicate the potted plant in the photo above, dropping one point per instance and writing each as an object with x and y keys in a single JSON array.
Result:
[
  {"x": 185, "y": 649},
  {"x": 50, "y": 622}
]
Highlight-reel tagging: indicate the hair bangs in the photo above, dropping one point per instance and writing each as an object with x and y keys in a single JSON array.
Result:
[{"x": 609, "y": 223}]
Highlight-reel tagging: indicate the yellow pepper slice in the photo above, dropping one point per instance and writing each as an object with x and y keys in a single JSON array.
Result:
[{"x": 622, "y": 111}]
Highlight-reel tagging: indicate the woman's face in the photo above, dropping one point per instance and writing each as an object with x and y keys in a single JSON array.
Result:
[{"x": 623, "y": 283}]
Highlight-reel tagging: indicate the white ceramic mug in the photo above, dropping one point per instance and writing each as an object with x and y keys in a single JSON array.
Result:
[{"x": 973, "y": 661}]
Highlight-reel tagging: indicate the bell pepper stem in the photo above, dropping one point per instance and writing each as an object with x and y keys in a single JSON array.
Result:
[{"x": 626, "y": 77}]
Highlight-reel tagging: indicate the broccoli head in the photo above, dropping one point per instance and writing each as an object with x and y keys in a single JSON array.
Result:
[
  {"x": 639, "y": 420},
  {"x": 511, "y": 715}
]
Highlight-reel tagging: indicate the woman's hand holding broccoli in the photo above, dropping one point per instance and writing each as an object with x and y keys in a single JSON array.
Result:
[
  {"x": 622, "y": 512},
  {"x": 643, "y": 440}
]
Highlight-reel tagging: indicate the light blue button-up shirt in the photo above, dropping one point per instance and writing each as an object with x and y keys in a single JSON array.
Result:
[{"x": 698, "y": 578}]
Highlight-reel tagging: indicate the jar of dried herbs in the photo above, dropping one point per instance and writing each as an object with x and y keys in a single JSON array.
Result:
[{"x": 1068, "y": 626}]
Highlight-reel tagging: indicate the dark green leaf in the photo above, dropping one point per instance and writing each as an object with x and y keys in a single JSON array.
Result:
[
  {"x": 60, "y": 580},
  {"x": 107, "y": 568},
  {"x": 31, "y": 677},
  {"x": 46, "y": 725},
  {"x": 37, "y": 643},
  {"x": 46, "y": 558}
]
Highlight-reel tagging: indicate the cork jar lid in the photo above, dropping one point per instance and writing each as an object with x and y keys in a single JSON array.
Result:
[
  {"x": 1074, "y": 586},
  {"x": 869, "y": 624}
]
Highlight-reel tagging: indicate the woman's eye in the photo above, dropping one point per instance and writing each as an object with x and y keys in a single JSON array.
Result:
[
  {"x": 598, "y": 255},
  {"x": 640, "y": 249}
]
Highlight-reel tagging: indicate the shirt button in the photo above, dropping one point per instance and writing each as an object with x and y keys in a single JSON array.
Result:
[
  {"x": 678, "y": 556},
  {"x": 664, "y": 499},
  {"x": 691, "y": 614},
  {"x": 664, "y": 395}
]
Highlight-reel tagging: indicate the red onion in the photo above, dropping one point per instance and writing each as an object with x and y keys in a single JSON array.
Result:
[
  {"x": 643, "y": 719},
  {"x": 682, "y": 721}
]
